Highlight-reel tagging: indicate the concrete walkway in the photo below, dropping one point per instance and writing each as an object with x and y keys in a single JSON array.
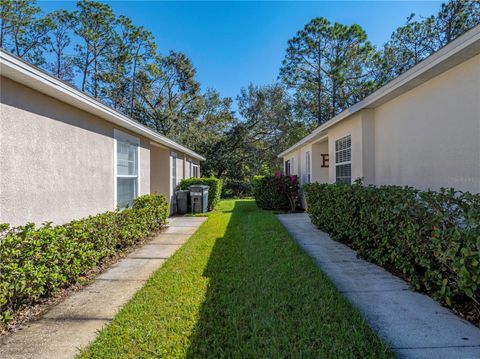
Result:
[
  {"x": 415, "y": 325},
  {"x": 74, "y": 323}
]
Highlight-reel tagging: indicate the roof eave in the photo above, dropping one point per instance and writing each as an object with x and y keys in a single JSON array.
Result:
[
  {"x": 456, "y": 52},
  {"x": 18, "y": 70}
]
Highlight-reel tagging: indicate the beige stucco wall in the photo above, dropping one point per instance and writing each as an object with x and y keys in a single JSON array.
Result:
[
  {"x": 429, "y": 137},
  {"x": 361, "y": 129},
  {"x": 353, "y": 127},
  {"x": 180, "y": 167},
  {"x": 160, "y": 171},
  {"x": 57, "y": 162},
  {"x": 161, "y": 167},
  {"x": 319, "y": 174}
]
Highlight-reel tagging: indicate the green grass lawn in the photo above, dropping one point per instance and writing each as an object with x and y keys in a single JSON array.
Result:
[{"x": 240, "y": 288}]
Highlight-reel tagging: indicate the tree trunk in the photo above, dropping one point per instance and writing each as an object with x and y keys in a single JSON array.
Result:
[
  {"x": 319, "y": 89},
  {"x": 85, "y": 71},
  {"x": 59, "y": 65},
  {"x": 2, "y": 31},
  {"x": 132, "y": 95},
  {"x": 95, "y": 80}
]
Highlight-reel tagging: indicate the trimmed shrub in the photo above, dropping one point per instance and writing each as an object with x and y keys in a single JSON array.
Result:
[
  {"x": 431, "y": 239},
  {"x": 237, "y": 188},
  {"x": 37, "y": 262},
  {"x": 276, "y": 192},
  {"x": 214, "y": 191}
]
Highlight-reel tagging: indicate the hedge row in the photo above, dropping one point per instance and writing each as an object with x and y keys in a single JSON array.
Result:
[
  {"x": 214, "y": 191},
  {"x": 432, "y": 239},
  {"x": 36, "y": 262},
  {"x": 276, "y": 192},
  {"x": 237, "y": 188}
]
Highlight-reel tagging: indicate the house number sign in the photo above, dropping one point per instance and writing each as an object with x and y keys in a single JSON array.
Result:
[{"x": 324, "y": 160}]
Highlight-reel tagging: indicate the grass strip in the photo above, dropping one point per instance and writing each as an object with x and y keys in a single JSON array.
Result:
[{"x": 239, "y": 288}]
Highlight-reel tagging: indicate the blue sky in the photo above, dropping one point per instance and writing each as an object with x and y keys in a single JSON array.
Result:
[{"x": 234, "y": 43}]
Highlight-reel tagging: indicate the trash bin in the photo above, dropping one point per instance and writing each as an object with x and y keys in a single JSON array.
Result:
[
  {"x": 182, "y": 201},
  {"x": 199, "y": 198}
]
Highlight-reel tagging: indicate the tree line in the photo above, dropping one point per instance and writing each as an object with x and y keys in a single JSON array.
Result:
[{"x": 326, "y": 68}]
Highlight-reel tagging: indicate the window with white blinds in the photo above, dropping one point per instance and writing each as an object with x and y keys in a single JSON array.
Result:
[
  {"x": 126, "y": 157},
  {"x": 343, "y": 160}
]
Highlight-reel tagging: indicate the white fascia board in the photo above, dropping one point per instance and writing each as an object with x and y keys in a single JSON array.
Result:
[
  {"x": 28, "y": 75},
  {"x": 456, "y": 52}
]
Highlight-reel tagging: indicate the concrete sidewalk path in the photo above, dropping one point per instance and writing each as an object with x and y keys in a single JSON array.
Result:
[
  {"x": 415, "y": 325},
  {"x": 74, "y": 323}
]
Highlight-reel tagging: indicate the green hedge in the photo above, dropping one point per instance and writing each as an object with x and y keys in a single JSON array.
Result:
[
  {"x": 432, "y": 239},
  {"x": 237, "y": 188},
  {"x": 214, "y": 191},
  {"x": 276, "y": 192},
  {"x": 36, "y": 262}
]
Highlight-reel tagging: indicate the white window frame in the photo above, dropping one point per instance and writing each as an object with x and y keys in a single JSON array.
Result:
[
  {"x": 117, "y": 134},
  {"x": 190, "y": 162},
  {"x": 348, "y": 162},
  {"x": 195, "y": 168},
  {"x": 289, "y": 162},
  {"x": 308, "y": 166},
  {"x": 293, "y": 172}
]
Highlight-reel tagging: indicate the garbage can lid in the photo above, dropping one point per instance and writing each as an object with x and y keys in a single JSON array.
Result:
[{"x": 198, "y": 186}]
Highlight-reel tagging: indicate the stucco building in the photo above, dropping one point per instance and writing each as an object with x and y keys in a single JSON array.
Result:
[
  {"x": 421, "y": 129},
  {"x": 65, "y": 155}
]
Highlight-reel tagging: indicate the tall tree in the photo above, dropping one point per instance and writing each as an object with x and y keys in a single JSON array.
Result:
[
  {"x": 23, "y": 31},
  {"x": 250, "y": 146},
  {"x": 455, "y": 18},
  {"x": 410, "y": 44},
  {"x": 94, "y": 22},
  {"x": 267, "y": 114},
  {"x": 421, "y": 37},
  {"x": 328, "y": 67},
  {"x": 6, "y": 17},
  {"x": 208, "y": 133},
  {"x": 349, "y": 66},
  {"x": 114, "y": 78},
  {"x": 171, "y": 98},
  {"x": 143, "y": 50},
  {"x": 303, "y": 68},
  {"x": 214, "y": 120},
  {"x": 57, "y": 44}
]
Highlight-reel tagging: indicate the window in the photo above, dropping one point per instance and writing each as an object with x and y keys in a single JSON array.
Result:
[
  {"x": 126, "y": 169},
  {"x": 343, "y": 160},
  {"x": 307, "y": 167},
  {"x": 189, "y": 162},
  {"x": 194, "y": 170},
  {"x": 287, "y": 168}
]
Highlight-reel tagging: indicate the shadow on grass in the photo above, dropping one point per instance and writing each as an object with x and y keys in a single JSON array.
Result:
[{"x": 266, "y": 298}]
